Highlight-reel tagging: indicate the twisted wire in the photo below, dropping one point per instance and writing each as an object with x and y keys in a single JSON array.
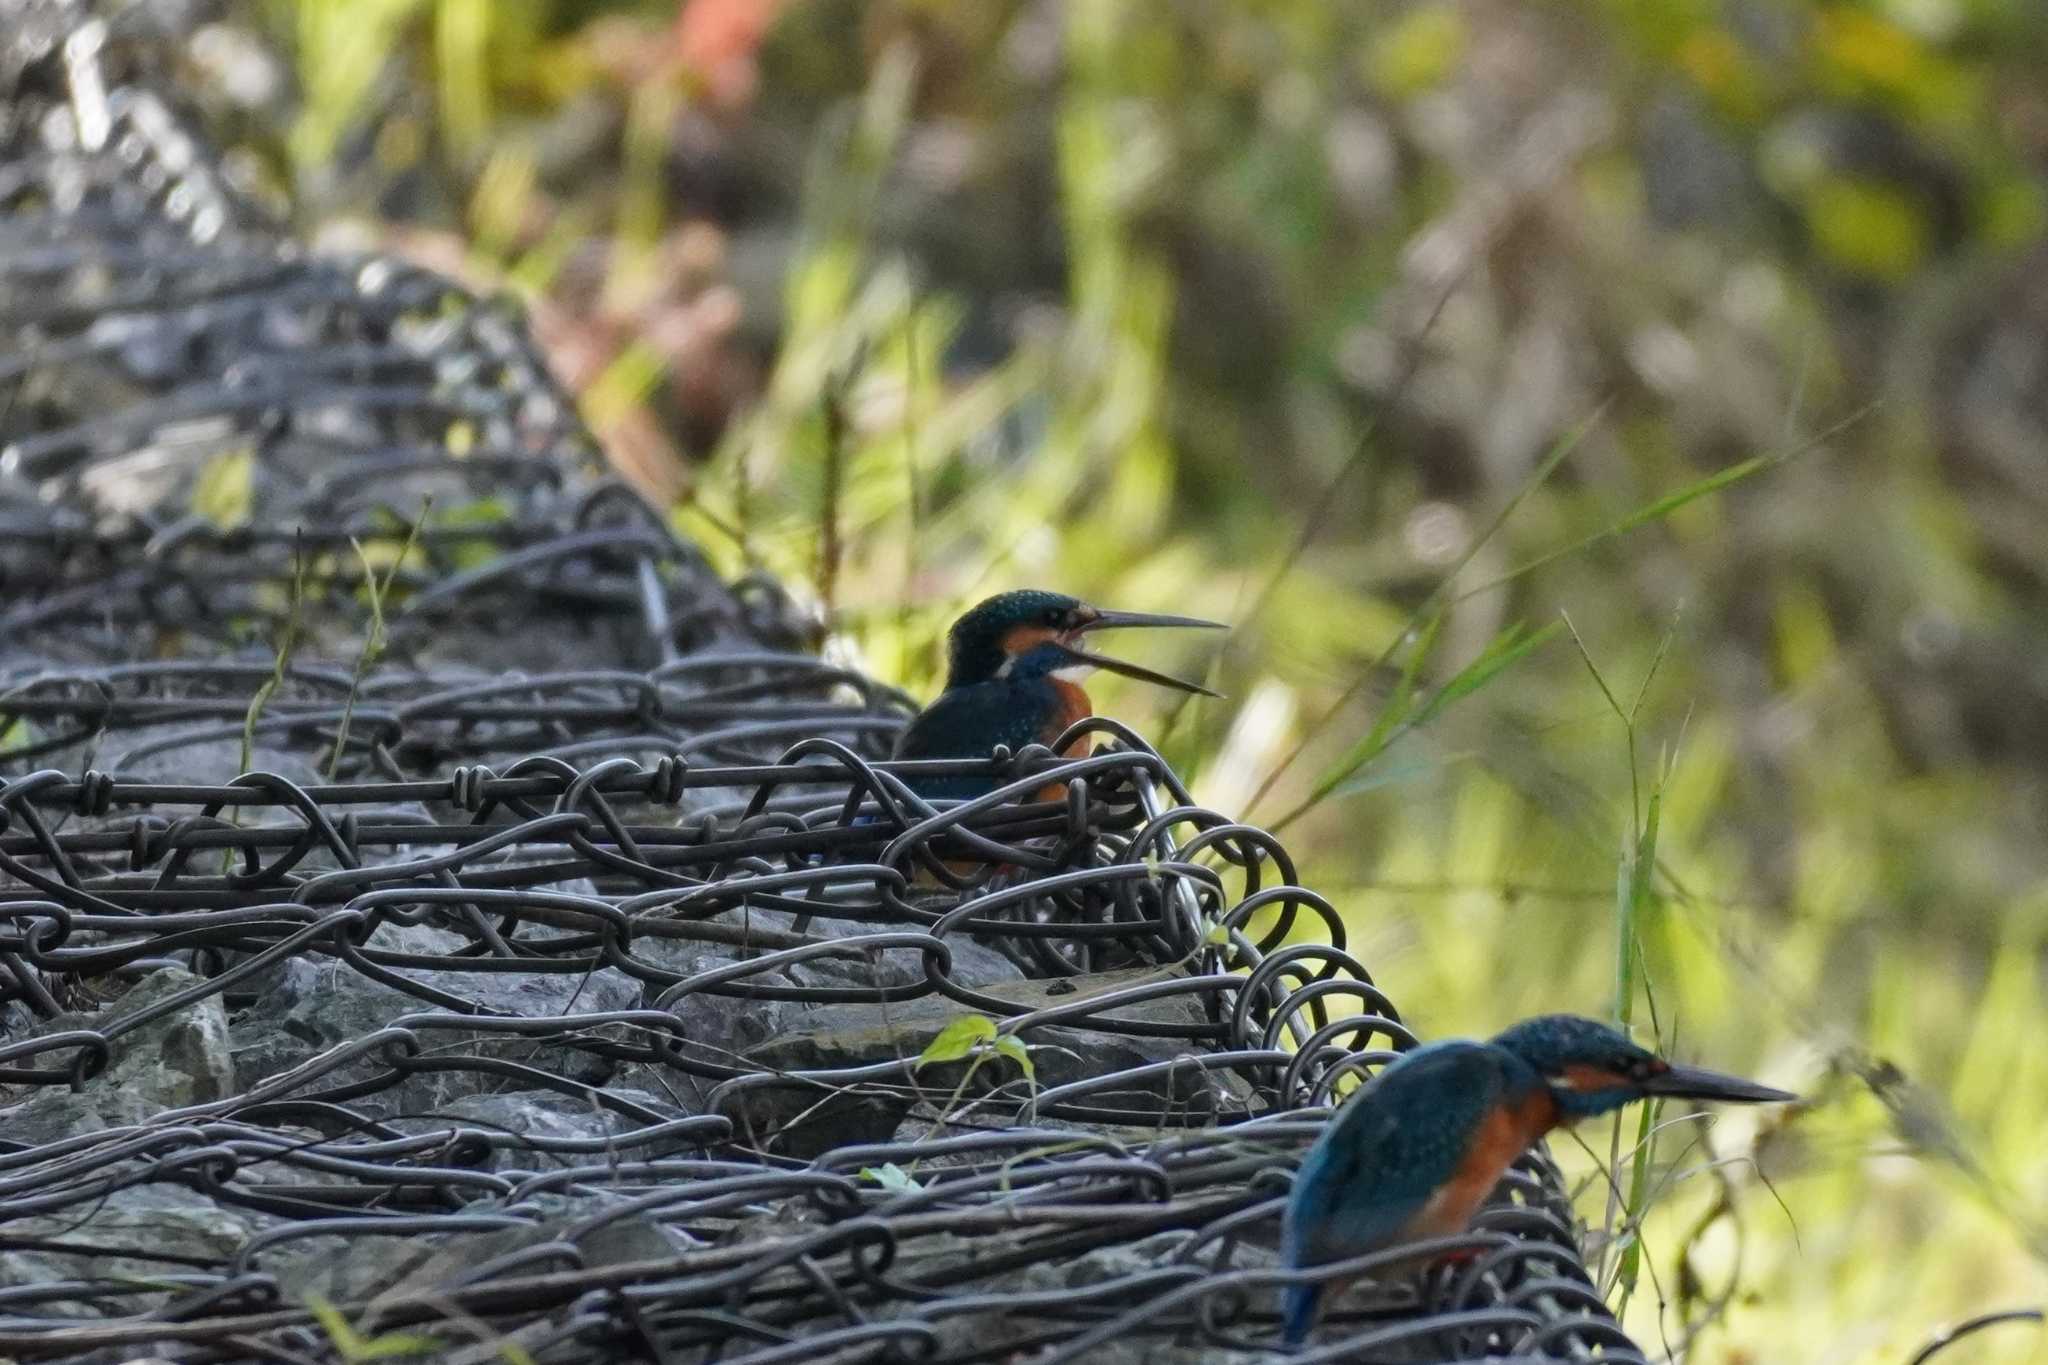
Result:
[{"x": 651, "y": 952}]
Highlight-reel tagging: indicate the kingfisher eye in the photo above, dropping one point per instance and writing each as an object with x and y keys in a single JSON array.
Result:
[{"x": 1054, "y": 616}]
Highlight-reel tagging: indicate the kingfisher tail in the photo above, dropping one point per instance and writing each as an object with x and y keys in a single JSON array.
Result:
[{"x": 1300, "y": 1311}]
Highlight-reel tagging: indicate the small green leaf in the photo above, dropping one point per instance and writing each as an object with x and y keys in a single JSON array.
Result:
[
  {"x": 890, "y": 1177},
  {"x": 957, "y": 1039},
  {"x": 491, "y": 511},
  {"x": 1217, "y": 935},
  {"x": 394, "y": 1345},
  {"x": 354, "y": 1347},
  {"x": 1011, "y": 1046},
  {"x": 225, "y": 491},
  {"x": 474, "y": 552},
  {"x": 344, "y": 1337},
  {"x": 17, "y": 735}
]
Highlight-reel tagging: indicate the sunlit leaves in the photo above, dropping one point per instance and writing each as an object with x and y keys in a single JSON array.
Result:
[
  {"x": 958, "y": 1039},
  {"x": 891, "y": 1177},
  {"x": 1417, "y": 51},
  {"x": 224, "y": 492},
  {"x": 1867, "y": 226},
  {"x": 343, "y": 44},
  {"x": 1861, "y": 54},
  {"x": 974, "y": 1036},
  {"x": 355, "y": 1348}
]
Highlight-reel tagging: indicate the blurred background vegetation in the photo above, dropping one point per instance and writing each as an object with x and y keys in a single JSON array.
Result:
[{"x": 1395, "y": 332}]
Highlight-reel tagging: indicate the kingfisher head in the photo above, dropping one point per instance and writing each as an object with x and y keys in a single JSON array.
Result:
[
  {"x": 1047, "y": 628},
  {"x": 1591, "y": 1069}
]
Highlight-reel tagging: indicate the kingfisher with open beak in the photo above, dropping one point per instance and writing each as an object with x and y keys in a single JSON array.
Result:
[
  {"x": 1014, "y": 670},
  {"x": 1418, "y": 1149}
]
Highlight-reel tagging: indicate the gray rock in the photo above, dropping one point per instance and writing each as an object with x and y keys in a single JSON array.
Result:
[
  {"x": 346, "y": 1269},
  {"x": 169, "y": 1063},
  {"x": 136, "y": 1234},
  {"x": 725, "y": 1028},
  {"x": 950, "y": 1259},
  {"x": 838, "y": 1037},
  {"x": 973, "y": 964},
  {"x": 392, "y": 1267},
  {"x": 547, "y": 1114},
  {"x": 317, "y": 1004}
]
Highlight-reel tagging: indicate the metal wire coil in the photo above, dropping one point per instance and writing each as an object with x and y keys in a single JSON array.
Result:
[{"x": 597, "y": 843}]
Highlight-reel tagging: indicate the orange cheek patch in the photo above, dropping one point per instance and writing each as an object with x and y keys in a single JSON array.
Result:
[
  {"x": 1019, "y": 639},
  {"x": 1587, "y": 1078}
]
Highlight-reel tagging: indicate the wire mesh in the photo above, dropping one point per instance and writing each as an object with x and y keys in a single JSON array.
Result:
[{"x": 574, "y": 975}]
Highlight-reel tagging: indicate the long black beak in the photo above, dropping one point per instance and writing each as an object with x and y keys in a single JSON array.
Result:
[
  {"x": 1117, "y": 620},
  {"x": 1139, "y": 671},
  {"x": 1698, "y": 1083}
]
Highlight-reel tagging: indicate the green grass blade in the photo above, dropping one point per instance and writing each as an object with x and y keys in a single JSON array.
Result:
[
  {"x": 1663, "y": 507},
  {"x": 1399, "y": 702},
  {"x": 1429, "y": 605},
  {"x": 1633, "y": 892},
  {"x": 1507, "y": 649},
  {"x": 1631, "y": 1265},
  {"x": 281, "y": 660}
]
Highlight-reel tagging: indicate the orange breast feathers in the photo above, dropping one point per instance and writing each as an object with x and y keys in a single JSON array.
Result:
[
  {"x": 1504, "y": 1135},
  {"x": 1073, "y": 706}
]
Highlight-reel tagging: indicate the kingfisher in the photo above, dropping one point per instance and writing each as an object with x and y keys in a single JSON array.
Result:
[
  {"x": 1014, "y": 665},
  {"x": 1417, "y": 1150}
]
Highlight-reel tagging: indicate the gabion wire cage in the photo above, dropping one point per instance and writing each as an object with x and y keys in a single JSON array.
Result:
[{"x": 565, "y": 976}]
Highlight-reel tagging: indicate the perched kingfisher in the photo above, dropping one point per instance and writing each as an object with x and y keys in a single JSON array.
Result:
[
  {"x": 1014, "y": 665},
  {"x": 1416, "y": 1151}
]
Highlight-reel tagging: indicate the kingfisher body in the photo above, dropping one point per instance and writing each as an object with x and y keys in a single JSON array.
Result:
[
  {"x": 1417, "y": 1150},
  {"x": 1013, "y": 677}
]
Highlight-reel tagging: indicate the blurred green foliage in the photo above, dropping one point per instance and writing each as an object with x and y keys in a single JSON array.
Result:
[{"x": 1268, "y": 311}]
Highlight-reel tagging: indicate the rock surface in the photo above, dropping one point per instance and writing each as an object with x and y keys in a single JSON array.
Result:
[{"x": 182, "y": 1059}]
